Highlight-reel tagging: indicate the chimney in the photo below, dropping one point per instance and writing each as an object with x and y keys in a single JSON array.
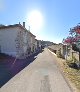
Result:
[
  {"x": 24, "y": 24},
  {"x": 19, "y": 23}
]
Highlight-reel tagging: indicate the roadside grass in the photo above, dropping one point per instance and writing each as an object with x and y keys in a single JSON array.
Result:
[{"x": 73, "y": 75}]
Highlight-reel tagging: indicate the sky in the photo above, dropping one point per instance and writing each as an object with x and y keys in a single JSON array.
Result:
[{"x": 58, "y": 16}]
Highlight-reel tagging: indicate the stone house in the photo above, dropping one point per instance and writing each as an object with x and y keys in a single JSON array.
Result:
[
  {"x": 36, "y": 45},
  {"x": 39, "y": 44},
  {"x": 15, "y": 40},
  {"x": 31, "y": 42}
]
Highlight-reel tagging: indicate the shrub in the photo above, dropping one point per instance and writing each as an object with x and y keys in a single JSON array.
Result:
[
  {"x": 59, "y": 54},
  {"x": 72, "y": 63}
]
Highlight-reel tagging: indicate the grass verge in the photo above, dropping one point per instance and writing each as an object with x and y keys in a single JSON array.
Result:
[{"x": 73, "y": 75}]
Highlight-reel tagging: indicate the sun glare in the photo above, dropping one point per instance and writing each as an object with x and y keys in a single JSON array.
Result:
[{"x": 35, "y": 20}]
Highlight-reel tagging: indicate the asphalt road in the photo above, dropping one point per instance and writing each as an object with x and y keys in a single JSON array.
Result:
[{"x": 42, "y": 75}]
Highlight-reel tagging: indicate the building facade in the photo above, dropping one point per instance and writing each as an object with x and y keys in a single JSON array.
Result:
[{"x": 16, "y": 40}]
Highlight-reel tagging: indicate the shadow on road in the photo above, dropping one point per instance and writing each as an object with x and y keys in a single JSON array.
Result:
[{"x": 7, "y": 70}]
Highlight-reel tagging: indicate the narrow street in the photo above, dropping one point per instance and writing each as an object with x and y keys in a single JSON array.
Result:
[{"x": 42, "y": 75}]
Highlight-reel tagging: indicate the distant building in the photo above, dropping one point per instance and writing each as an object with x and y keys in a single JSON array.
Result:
[
  {"x": 31, "y": 42},
  {"x": 39, "y": 44},
  {"x": 36, "y": 44},
  {"x": 16, "y": 40}
]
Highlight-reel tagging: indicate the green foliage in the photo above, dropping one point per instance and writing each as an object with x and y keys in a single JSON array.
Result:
[
  {"x": 59, "y": 54},
  {"x": 73, "y": 63},
  {"x": 75, "y": 60},
  {"x": 69, "y": 61}
]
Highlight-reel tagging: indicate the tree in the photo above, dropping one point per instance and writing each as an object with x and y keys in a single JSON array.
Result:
[{"x": 74, "y": 39}]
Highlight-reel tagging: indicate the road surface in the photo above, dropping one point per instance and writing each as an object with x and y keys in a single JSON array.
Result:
[{"x": 42, "y": 75}]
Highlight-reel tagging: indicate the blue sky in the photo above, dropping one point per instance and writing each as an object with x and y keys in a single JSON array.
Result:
[{"x": 59, "y": 16}]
